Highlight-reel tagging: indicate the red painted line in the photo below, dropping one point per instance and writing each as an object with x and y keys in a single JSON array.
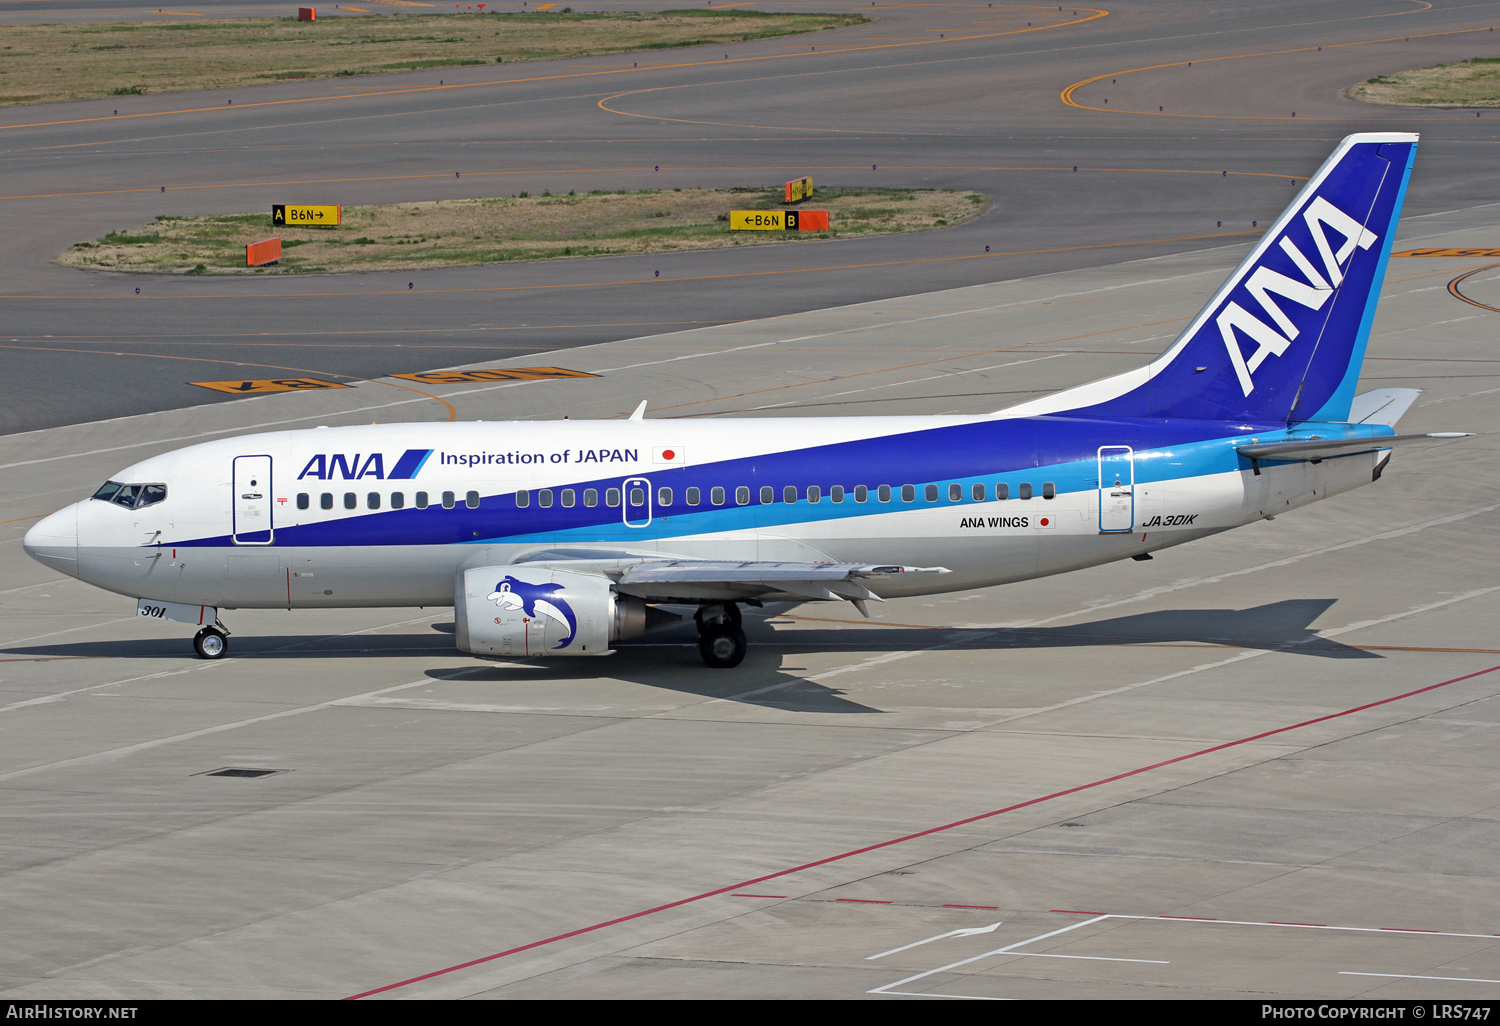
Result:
[
  {"x": 865, "y": 901},
  {"x": 877, "y": 846},
  {"x": 757, "y": 895},
  {"x": 989, "y": 908}
]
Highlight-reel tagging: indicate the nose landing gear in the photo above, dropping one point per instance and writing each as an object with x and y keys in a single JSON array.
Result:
[
  {"x": 212, "y": 642},
  {"x": 721, "y": 642}
]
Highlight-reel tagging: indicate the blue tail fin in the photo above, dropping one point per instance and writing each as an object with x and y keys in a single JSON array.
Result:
[{"x": 1284, "y": 337}]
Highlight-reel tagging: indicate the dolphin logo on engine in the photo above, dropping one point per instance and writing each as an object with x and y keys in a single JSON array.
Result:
[{"x": 534, "y": 600}]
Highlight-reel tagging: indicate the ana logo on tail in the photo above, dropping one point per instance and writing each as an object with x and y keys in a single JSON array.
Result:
[
  {"x": 535, "y": 599},
  {"x": 1312, "y": 293}
]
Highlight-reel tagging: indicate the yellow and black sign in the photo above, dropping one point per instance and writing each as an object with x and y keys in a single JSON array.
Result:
[
  {"x": 305, "y": 215},
  {"x": 778, "y": 220},
  {"x": 799, "y": 189},
  {"x": 759, "y": 220},
  {"x": 264, "y": 385},
  {"x": 1486, "y": 253},
  {"x": 458, "y": 377}
]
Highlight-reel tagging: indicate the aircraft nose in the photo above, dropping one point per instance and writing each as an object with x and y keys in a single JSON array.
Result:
[{"x": 53, "y": 541}]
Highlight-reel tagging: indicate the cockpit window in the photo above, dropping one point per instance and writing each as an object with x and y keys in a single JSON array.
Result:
[{"x": 131, "y": 496}]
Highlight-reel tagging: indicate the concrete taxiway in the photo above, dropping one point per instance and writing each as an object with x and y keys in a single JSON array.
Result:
[
  {"x": 1260, "y": 765},
  {"x": 1107, "y": 764}
]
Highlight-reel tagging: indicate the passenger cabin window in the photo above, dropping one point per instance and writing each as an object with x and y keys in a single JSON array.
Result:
[
  {"x": 350, "y": 500},
  {"x": 767, "y": 494},
  {"x": 883, "y": 493},
  {"x": 373, "y": 500},
  {"x": 325, "y": 501},
  {"x": 544, "y": 498},
  {"x": 716, "y": 495},
  {"x": 814, "y": 493},
  {"x": 612, "y": 497},
  {"x": 789, "y": 493},
  {"x": 591, "y": 497},
  {"x": 523, "y": 498},
  {"x": 908, "y": 493},
  {"x": 1049, "y": 490},
  {"x": 303, "y": 500},
  {"x": 1024, "y": 492},
  {"x": 861, "y": 493},
  {"x": 1002, "y": 491},
  {"x": 398, "y": 500},
  {"x": 836, "y": 493},
  {"x": 471, "y": 500},
  {"x": 664, "y": 496},
  {"x": 955, "y": 493},
  {"x": 568, "y": 498},
  {"x": 421, "y": 500},
  {"x": 977, "y": 493},
  {"x": 637, "y": 496},
  {"x": 931, "y": 493},
  {"x": 742, "y": 495},
  {"x": 448, "y": 502},
  {"x": 694, "y": 496}
]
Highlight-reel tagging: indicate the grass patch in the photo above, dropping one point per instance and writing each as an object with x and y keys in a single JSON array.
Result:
[
  {"x": 46, "y": 63},
  {"x": 1471, "y": 83},
  {"x": 453, "y": 233}
]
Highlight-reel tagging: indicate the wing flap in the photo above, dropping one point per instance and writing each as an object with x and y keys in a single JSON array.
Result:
[{"x": 728, "y": 581}]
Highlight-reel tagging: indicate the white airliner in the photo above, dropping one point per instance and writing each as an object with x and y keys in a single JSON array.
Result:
[{"x": 560, "y": 538}]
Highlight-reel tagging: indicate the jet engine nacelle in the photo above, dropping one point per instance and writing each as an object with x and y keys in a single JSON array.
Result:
[{"x": 518, "y": 610}]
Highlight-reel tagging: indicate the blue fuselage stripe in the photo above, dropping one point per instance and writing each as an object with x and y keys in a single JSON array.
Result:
[{"x": 1060, "y": 450}]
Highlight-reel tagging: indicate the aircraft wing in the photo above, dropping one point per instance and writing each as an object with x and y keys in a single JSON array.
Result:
[
  {"x": 692, "y": 581},
  {"x": 1316, "y": 448},
  {"x": 697, "y": 580}
]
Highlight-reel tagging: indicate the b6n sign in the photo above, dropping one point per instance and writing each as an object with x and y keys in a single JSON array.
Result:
[{"x": 778, "y": 220}]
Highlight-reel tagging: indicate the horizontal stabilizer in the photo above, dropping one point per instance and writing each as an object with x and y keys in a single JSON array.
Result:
[
  {"x": 1326, "y": 448},
  {"x": 1382, "y": 406}
]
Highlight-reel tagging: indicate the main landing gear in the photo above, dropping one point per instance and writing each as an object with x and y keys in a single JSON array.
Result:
[
  {"x": 212, "y": 642},
  {"x": 721, "y": 642}
]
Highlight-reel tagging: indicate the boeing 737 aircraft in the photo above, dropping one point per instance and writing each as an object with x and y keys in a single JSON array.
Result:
[{"x": 560, "y": 538}]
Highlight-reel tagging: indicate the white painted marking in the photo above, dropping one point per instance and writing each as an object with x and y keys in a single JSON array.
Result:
[
  {"x": 45, "y": 699},
  {"x": 970, "y": 932},
  {"x": 1010, "y": 949},
  {"x": 127, "y": 750},
  {"x": 887, "y": 989},
  {"x": 688, "y": 356},
  {"x": 1409, "y": 976},
  {"x": 1273, "y": 564},
  {"x": 1089, "y": 958},
  {"x": 1255, "y": 654}
]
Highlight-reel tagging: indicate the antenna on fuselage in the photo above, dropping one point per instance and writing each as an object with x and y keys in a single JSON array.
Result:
[{"x": 640, "y": 411}]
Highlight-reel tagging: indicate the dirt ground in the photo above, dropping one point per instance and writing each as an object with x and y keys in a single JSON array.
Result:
[
  {"x": 447, "y": 233},
  {"x": 1473, "y": 83},
  {"x": 48, "y": 63}
]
